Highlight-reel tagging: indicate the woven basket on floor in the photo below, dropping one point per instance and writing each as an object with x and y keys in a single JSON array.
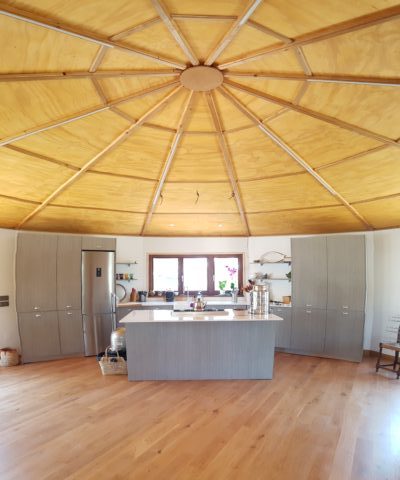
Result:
[
  {"x": 9, "y": 357},
  {"x": 113, "y": 365}
]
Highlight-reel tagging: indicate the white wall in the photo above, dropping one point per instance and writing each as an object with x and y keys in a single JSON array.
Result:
[{"x": 9, "y": 336}]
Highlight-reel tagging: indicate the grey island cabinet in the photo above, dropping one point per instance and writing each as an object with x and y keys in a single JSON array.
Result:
[
  {"x": 167, "y": 345},
  {"x": 328, "y": 296}
]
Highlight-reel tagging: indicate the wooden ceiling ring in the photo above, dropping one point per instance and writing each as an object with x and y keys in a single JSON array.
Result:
[
  {"x": 120, "y": 175},
  {"x": 137, "y": 28},
  {"x": 27, "y": 77},
  {"x": 295, "y": 209},
  {"x": 316, "y": 78},
  {"x": 168, "y": 162},
  {"x": 232, "y": 32},
  {"x": 174, "y": 30},
  {"x": 112, "y": 145},
  {"x": 88, "y": 113},
  {"x": 351, "y": 157},
  {"x": 373, "y": 199},
  {"x": 229, "y": 166},
  {"x": 98, "y": 58},
  {"x": 23, "y": 200},
  {"x": 322, "y": 34},
  {"x": 51, "y": 24},
  {"x": 312, "y": 113},
  {"x": 99, "y": 90},
  {"x": 100, "y": 209},
  {"x": 271, "y": 177},
  {"x": 303, "y": 62},
  {"x": 45, "y": 158},
  {"x": 269, "y": 31},
  {"x": 285, "y": 147}
]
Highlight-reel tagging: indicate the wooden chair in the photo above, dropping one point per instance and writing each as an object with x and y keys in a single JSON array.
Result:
[{"x": 395, "y": 347}]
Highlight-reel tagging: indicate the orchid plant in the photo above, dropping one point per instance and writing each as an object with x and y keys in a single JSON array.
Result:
[{"x": 232, "y": 271}]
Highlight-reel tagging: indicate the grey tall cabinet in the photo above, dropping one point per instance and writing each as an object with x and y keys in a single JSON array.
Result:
[
  {"x": 48, "y": 293},
  {"x": 328, "y": 296}
]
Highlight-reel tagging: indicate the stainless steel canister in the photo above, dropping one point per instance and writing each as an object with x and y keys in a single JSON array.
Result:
[
  {"x": 259, "y": 299},
  {"x": 118, "y": 341}
]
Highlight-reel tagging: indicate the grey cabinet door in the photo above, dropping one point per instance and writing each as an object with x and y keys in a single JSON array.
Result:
[
  {"x": 309, "y": 272},
  {"x": 308, "y": 330},
  {"x": 36, "y": 272},
  {"x": 344, "y": 334},
  {"x": 39, "y": 336},
  {"x": 69, "y": 272},
  {"x": 71, "y": 332},
  {"x": 98, "y": 243},
  {"x": 346, "y": 272},
  {"x": 122, "y": 312},
  {"x": 283, "y": 328}
]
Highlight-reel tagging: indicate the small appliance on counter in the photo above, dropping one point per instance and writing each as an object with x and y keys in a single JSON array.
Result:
[
  {"x": 142, "y": 296},
  {"x": 169, "y": 296}
]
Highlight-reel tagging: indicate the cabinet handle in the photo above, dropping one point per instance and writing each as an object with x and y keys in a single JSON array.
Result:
[
  {"x": 36, "y": 308},
  {"x": 345, "y": 313},
  {"x": 37, "y": 315},
  {"x": 69, "y": 313},
  {"x": 68, "y": 306},
  {"x": 308, "y": 311},
  {"x": 345, "y": 306},
  {"x": 308, "y": 305}
]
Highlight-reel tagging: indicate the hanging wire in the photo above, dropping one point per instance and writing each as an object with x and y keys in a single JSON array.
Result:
[{"x": 197, "y": 197}]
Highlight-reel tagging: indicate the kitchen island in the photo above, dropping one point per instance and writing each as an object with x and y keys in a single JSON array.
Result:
[{"x": 230, "y": 344}]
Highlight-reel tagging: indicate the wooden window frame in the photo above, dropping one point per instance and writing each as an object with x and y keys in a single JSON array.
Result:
[{"x": 210, "y": 270}]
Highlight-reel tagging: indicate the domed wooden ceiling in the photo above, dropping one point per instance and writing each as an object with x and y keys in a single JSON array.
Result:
[{"x": 212, "y": 117}]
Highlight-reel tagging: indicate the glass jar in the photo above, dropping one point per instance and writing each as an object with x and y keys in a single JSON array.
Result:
[{"x": 259, "y": 300}]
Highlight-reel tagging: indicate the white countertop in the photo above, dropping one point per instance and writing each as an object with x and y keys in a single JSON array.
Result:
[
  {"x": 160, "y": 303},
  {"x": 161, "y": 316}
]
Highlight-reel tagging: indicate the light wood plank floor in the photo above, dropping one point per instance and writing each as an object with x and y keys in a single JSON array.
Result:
[{"x": 317, "y": 419}]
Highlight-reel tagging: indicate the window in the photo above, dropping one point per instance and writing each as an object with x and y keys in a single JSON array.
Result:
[{"x": 206, "y": 273}]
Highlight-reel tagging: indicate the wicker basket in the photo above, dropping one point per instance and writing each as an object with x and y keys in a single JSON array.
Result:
[
  {"x": 9, "y": 357},
  {"x": 113, "y": 365}
]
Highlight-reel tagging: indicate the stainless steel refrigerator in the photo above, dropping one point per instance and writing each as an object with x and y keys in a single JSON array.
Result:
[{"x": 98, "y": 299}]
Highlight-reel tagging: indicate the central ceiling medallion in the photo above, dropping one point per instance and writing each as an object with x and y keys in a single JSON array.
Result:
[{"x": 201, "y": 78}]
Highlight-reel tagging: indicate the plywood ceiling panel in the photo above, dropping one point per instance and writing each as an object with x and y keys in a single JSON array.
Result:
[
  {"x": 373, "y": 108},
  {"x": 76, "y": 220},
  {"x": 25, "y": 105},
  {"x": 372, "y": 175},
  {"x": 76, "y": 142},
  {"x": 319, "y": 142},
  {"x": 89, "y": 143},
  {"x": 256, "y": 156},
  {"x": 196, "y": 198},
  {"x": 116, "y": 193},
  {"x": 272, "y": 194},
  {"x": 308, "y": 221}
]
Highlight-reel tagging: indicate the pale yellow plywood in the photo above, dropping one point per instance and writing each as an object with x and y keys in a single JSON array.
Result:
[
  {"x": 296, "y": 191},
  {"x": 260, "y": 108},
  {"x": 117, "y": 60},
  {"x": 141, "y": 155},
  {"x": 371, "y": 51},
  {"x": 29, "y": 48},
  {"x": 373, "y": 108},
  {"x": 194, "y": 224},
  {"x": 307, "y": 221},
  {"x": 318, "y": 142},
  {"x": 77, "y": 142},
  {"x": 230, "y": 116},
  {"x": 247, "y": 41},
  {"x": 162, "y": 42},
  {"x": 102, "y": 191},
  {"x": 256, "y": 156},
  {"x": 169, "y": 115},
  {"x": 183, "y": 198},
  {"x": 102, "y": 16},
  {"x": 294, "y": 18},
  {"x": 199, "y": 158},
  {"x": 200, "y": 118},
  {"x": 116, "y": 88},
  {"x": 20, "y": 176},
  {"x": 286, "y": 89},
  {"x": 203, "y": 35},
  {"x": 372, "y": 175},
  {"x": 13, "y": 211},
  {"x": 284, "y": 61},
  {"x": 25, "y": 105},
  {"x": 77, "y": 220},
  {"x": 384, "y": 213},
  {"x": 210, "y": 7}
]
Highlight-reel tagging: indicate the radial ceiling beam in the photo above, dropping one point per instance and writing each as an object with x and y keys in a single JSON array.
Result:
[
  {"x": 323, "y": 34},
  {"x": 51, "y": 24},
  {"x": 230, "y": 169},
  {"x": 101, "y": 52},
  {"x": 111, "y": 146},
  {"x": 232, "y": 32},
  {"x": 316, "y": 78},
  {"x": 312, "y": 113},
  {"x": 286, "y": 148},
  {"x": 175, "y": 31},
  {"x": 168, "y": 162},
  {"x": 26, "y": 77},
  {"x": 93, "y": 111},
  {"x": 137, "y": 28}
]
